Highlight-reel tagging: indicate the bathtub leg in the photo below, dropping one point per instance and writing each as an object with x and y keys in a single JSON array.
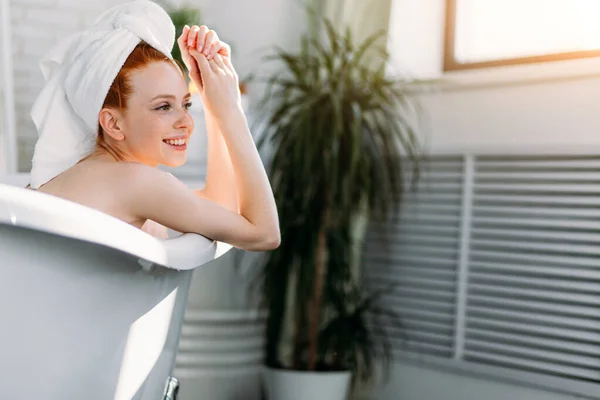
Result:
[{"x": 171, "y": 389}]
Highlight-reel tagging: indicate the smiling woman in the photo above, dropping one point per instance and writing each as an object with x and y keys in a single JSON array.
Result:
[
  {"x": 92, "y": 306},
  {"x": 102, "y": 152},
  {"x": 145, "y": 100}
]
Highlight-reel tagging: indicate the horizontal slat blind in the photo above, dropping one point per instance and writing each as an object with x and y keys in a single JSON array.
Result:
[
  {"x": 533, "y": 300},
  {"x": 532, "y": 265},
  {"x": 418, "y": 250}
]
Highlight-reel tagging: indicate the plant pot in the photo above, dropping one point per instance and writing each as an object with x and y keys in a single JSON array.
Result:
[
  {"x": 284, "y": 384},
  {"x": 221, "y": 347}
]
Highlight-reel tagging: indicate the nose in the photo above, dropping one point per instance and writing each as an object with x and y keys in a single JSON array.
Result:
[{"x": 185, "y": 121}]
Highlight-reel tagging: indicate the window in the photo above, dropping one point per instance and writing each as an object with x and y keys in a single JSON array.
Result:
[{"x": 488, "y": 33}]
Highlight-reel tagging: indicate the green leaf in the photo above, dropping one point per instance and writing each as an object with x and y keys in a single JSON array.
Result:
[
  {"x": 366, "y": 45},
  {"x": 344, "y": 139}
]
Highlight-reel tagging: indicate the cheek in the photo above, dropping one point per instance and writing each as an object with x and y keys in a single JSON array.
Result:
[
  {"x": 155, "y": 122},
  {"x": 148, "y": 126}
]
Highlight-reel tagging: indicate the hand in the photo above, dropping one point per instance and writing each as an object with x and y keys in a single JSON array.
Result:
[
  {"x": 204, "y": 41},
  {"x": 219, "y": 83}
]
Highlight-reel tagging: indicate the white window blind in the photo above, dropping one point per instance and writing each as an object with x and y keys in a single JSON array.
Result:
[
  {"x": 497, "y": 260},
  {"x": 419, "y": 251}
]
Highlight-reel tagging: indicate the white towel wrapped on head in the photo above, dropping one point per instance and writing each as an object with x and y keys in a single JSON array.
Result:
[{"x": 79, "y": 72}]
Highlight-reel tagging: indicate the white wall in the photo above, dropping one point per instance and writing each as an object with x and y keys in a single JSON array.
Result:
[
  {"x": 251, "y": 27},
  {"x": 552, "y": 108},
  {"x": 557, "y": 116}
]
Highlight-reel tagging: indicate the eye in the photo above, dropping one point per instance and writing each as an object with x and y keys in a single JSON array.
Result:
[
  {"x": 164, "y": 107},
  {"x": 188, "y": 105}
]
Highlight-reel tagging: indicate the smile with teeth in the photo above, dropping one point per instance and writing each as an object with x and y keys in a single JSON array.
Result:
[{"x": 175, "y": 142}]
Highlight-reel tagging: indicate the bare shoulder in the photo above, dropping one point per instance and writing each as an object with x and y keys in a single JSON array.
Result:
[
  {"x": 143, "y": 189},
  {"x": 129, "y": 170},
  {"x": 134, "y": 177}
]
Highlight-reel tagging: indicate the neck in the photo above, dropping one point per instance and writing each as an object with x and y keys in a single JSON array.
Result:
[{"x": 102, "y": 149}]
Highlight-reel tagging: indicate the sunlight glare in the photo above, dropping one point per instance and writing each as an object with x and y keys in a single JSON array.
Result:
[
  {"x": 145, "y": 343},
  {"x": 491, "y": 29}
]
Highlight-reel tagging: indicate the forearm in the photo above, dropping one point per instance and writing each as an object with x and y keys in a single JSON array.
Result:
[
  {"x": 256, "y": 202},
  {"x": 220, "y": 177}
]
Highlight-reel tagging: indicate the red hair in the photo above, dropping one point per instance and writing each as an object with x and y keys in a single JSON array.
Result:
[{"x": 120, "y": 90}]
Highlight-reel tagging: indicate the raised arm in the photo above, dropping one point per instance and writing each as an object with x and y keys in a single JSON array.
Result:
[
  {"x": 164, "y": 199},
  {"x": 220, "y": 184},
  {"x": 221, "y": 96}
]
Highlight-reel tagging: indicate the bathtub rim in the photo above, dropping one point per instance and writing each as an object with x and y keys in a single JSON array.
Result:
[{"x": 40, "y": 211}]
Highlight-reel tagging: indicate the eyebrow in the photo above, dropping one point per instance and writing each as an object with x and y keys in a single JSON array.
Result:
[{"x": 169, "y": 96}]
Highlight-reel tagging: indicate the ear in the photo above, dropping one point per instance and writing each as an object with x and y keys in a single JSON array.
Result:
[{"x": 110, "y": 122}]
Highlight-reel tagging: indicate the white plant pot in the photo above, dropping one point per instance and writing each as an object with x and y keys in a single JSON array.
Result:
[{"x": 303, "y": 385}]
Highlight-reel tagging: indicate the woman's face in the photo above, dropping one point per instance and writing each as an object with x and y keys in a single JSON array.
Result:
[{"x": 156, "y": 124}]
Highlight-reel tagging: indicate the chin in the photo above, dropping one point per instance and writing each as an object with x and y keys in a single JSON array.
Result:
[{"x": 174, "y": 163}]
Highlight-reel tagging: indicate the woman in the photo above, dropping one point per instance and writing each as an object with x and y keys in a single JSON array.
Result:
[{"x": 145, "y": 122}]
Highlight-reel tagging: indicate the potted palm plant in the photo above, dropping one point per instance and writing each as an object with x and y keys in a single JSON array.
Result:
[{"x": 341, "y": 134}]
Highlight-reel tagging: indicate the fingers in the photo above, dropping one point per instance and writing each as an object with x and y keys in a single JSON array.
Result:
[
  {"x": 211, "y": 55},
  {"x": 203, "y": 64},
  {"x": 215, "y": 67},
  {"x": 218, "y": 60},
  {"x": 205, "y": 41},
  {"x": 214, "y": 50},
  {"x": 221, "y": 48},
  {"x": 196, "y": 75},
  {"x": 193, "y": 36},
  {"x": 224, "y": 65},
  {"x": 182, "y": 39},
  {"x": 209, "y": 40},
  {"x": 229, "y": 65},
  {"x": 182, "y": 43},
  {"x": 202, "y": 33},
  {"x": 225, "y": 50}
]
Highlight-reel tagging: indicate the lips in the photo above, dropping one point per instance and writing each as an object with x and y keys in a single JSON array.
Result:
[
  {"x": 175, "y": 141},
  {"x": 176, "y": 144}
]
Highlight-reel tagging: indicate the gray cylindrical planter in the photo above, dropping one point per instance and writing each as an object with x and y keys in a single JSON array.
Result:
[
  {"x": 302, "y": 385},
  {"x": 221, "y": 347}
]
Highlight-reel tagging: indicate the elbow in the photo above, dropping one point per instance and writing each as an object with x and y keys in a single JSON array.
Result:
[
  {"x": 273, "y": 241},
  {"x": 270, "y": 241}
]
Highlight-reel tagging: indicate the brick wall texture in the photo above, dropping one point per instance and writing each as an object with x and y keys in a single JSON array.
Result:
[{"x": 36, "y": 26}]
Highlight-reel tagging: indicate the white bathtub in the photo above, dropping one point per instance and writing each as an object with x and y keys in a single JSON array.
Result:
[{"x": 90, "y": 307}]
